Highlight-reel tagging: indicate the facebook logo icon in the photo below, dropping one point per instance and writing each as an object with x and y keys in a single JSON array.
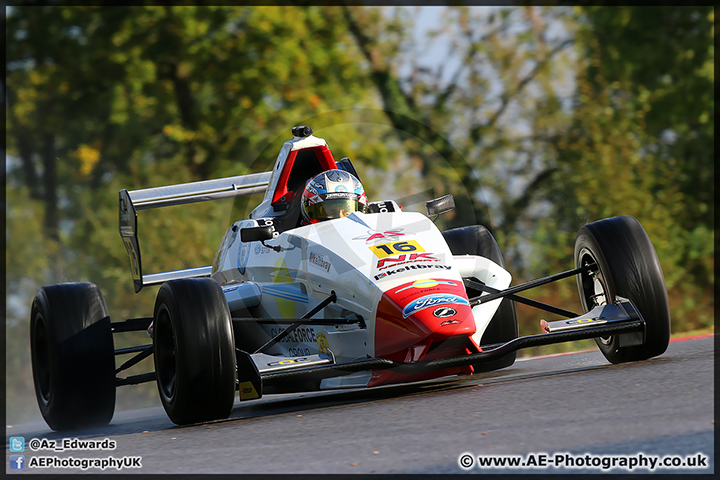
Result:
[{"x": 17, "y": 462}]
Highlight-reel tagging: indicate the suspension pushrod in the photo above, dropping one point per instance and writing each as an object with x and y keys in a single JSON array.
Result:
[
  {"x": 528, "y": 285},
  {"x": 295, "y": 325},
  {"x": 135, "y": 379},
  {"x": 139, "y": 348},
  {"x": 136, "y": 359},
  {"x": 517, "y": 298}
]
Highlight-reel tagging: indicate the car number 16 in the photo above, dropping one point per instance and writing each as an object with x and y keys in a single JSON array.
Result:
[{"x": 387, "y": 249}]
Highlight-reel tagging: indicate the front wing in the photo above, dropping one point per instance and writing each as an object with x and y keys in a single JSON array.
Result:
[{"x": 257, "y": 373}]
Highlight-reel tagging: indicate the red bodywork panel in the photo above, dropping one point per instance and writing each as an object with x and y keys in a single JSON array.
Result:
[
  {"x": 423, "y": 320},
  {"x": 323, "y": 160}
]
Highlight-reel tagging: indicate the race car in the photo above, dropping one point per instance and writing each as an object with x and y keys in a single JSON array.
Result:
[{"x": 373, "y": 297}]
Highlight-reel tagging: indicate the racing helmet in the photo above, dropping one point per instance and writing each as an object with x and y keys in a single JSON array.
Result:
[{"x": 332, "y": 194}]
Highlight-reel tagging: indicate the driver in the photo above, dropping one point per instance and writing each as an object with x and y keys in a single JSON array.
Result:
[{"x": 332, "y": 194}]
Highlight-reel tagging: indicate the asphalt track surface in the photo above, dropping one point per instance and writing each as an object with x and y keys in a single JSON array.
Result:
[{"x": 549, "y": 406}]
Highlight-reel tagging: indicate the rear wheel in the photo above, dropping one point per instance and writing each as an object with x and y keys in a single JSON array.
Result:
[
  {"x": 73, "y": 358},
  {"x": 477, "y": 240},
  {"x": 194, "y": 351},
  {"x": 625, "y": 265}
]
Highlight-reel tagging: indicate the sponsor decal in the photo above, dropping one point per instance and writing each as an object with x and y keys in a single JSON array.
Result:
[
  {"x": 427, "y": 283},
  {"x": 374, "y": 236},
  {"x": 247, "y": 391},
  {"x": 449, "y": 322},
  {"x": 268, "y": 222},
  {"x": 433, "y": 300},
  {"x": 405, "y": 258},
  {"x": 348, "y": 196},
  {"x": 408, "y": 268},
  {"x": 298, "y": 352},
  {"x": 386, "y": 249},
  {"x": 322, "y": 343},
  {"x": 444, "y": 312},
  {"x": 134, "y": 263},
  {"x": 406, "y": 292},
  {"x": 314, "y": 199},
  {"x": 582, "y": 320},
  {"x": 261, "y": 249},
  {"x": 319, "y": 261},
  {"x": 289, "y": 361},
  {"x": 299, "y": 335},
  {"x": 382, "y": 207},
  {"x": 243, "y": 257}
]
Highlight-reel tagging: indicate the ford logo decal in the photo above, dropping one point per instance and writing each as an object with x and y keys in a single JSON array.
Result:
[{"x": 432, "y": 301}]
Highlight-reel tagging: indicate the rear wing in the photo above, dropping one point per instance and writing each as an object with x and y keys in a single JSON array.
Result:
[{"x": 157, "y": 197}]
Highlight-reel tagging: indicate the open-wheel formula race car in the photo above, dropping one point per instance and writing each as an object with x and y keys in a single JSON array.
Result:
[{"x": 379, "y": 296}]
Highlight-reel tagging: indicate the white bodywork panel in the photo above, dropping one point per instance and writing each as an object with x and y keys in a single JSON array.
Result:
[
  {"x": 492, "y": 275},
  {"x": 358, "y": 257}
]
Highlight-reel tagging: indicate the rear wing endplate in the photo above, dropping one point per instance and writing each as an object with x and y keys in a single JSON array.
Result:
[{"x": 133, "y": 201}]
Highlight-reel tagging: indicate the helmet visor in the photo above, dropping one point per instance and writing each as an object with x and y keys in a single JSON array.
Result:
[{"x": 334, "y": 208}]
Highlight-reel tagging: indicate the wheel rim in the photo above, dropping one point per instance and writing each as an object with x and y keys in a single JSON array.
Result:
[
  {"x": 41, "y": 360},
  {"x": 166, "y": 369},
  {"x": 594, "y": 287}
]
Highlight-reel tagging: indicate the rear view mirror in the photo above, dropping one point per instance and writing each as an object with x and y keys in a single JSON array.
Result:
[
  {"x": 440, "y": 205},
  {"x": 254, "y": 234}
]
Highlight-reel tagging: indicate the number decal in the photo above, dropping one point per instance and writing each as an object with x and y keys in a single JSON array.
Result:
[
  {"x": 387, "y": 249},
  {"x": 406, "y": 246}
]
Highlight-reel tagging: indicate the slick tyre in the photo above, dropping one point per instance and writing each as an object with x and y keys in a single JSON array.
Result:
[
  {"x": 73, "y": 358},
  {"x": 626, "y": 265},
  {"x": 194, "y": 351},
  {"x": 477, "y": 240}
]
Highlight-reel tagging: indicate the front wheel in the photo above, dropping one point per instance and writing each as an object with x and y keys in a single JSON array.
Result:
[
  {"x": 194, "y": 351},
  {"x": 624, "y": 265},
  {"x": 73, "y": 358}
]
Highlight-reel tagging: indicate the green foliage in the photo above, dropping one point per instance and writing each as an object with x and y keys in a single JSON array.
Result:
[
  {"x": 639, "y": 141},
  {"x": 651, "y": 123},
  {"x": 667, "y": 61}
]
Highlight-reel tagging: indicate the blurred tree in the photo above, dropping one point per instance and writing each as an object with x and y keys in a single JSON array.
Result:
[
  {"x": 103, "y": 98},
  {"x": 143, "y": 96},
  {"x": 660, "y": 63},
  {"x": 494, "y": 71},
  {"x": 563, "y": 116},
  {"x": 640, "y": 142}
]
